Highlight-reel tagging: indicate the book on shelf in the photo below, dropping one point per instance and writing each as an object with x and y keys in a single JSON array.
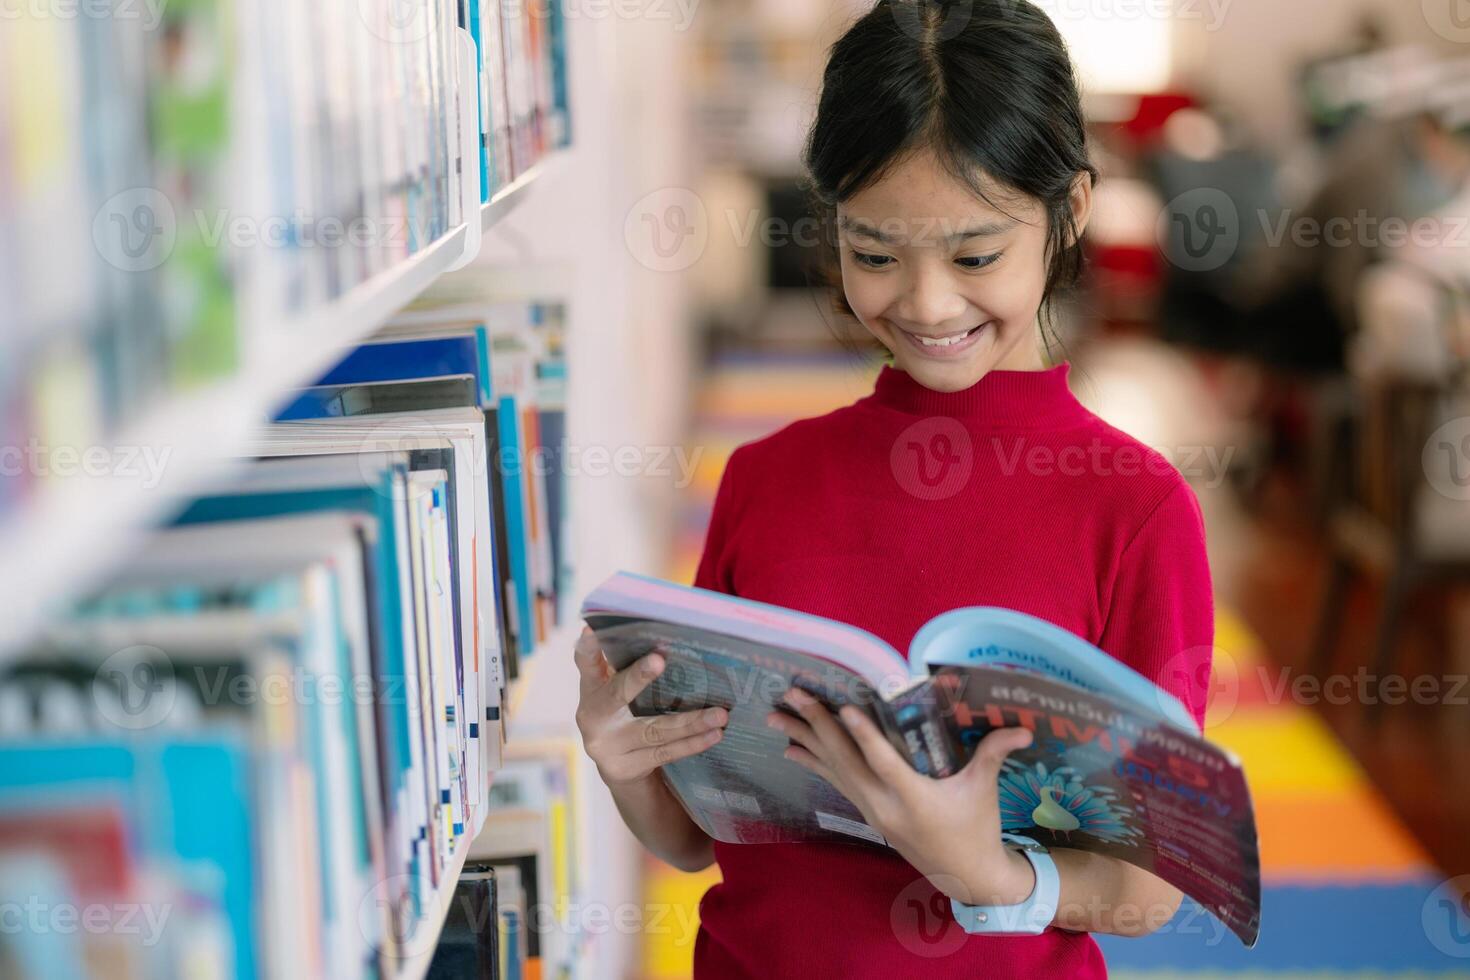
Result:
[
  {"x": 469, "y": 944},
  {"x": 504, "y": 360},
  {"x": 1117, "y": 765},
  {"x": 304, "y": 627},
  {"x": 235, "y": 643},
  {"x": 530, "y": 837},
  {"x": 226, "y": 170}
]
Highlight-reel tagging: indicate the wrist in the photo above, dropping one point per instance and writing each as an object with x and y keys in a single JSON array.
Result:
[
  {"x": 1030, "y": 915},
  {"x": 1006, "y": 878}
]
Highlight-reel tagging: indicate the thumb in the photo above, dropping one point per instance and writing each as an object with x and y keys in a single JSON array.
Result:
[{"x": 992, "y": 751}]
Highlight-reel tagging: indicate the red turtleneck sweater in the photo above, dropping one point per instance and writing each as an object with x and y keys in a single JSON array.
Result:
[{"x": 887, "y": 512}]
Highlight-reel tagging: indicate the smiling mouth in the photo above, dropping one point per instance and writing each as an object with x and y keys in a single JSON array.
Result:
[{"x": 944, "y": 340}]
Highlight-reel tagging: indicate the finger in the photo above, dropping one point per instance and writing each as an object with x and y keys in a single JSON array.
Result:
[
  {"x": 878, "y": 752},
  {"x": 797, "y": 731},
  {"x": 592, "y": 666},
  {"x": 649, "y": 759},
  {"x": 663, "y": 729},
  {"x": 992, "y": 751},
  {"x": 817, "y": 717},
  {"x": 838, "y": 750},
  {"x": 811, "y": 763},
  {"x": 629, "y": 682}
]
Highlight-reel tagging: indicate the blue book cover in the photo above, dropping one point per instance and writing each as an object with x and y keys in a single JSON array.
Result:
[
  {"x": 512, "y": 455},
  {"x": 553, "y": 437},
  {"x": 377, "y": 500},
  {"x": 407, "y": 360}
]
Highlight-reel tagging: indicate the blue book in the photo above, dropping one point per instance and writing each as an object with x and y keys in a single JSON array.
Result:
[
  {"x": 512, "y": 452},
  {"x": 553, "y": 437},
  {"x": 410, "y": 359},
  {"x": 373, "y": 493}
]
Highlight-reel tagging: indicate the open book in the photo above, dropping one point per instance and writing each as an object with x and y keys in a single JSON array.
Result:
[{"x": 1117, "y": 765}]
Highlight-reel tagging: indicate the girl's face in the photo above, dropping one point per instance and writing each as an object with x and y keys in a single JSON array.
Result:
[{"x": 924, "y": 258}]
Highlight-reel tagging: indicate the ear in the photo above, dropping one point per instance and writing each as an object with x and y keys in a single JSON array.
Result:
[{"x": 1080, "y": 198}]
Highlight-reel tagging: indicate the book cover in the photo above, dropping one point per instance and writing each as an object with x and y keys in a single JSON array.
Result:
[{"x": 1117, "y": 765}]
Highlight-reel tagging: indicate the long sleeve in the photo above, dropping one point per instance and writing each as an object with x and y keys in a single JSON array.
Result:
[{"x": 1161, "y": 610}]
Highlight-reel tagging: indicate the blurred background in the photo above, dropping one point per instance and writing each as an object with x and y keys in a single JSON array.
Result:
[{"x": 1275, "y": 299}]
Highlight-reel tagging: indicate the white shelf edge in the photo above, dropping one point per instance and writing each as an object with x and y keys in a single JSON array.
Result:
[
  {"x": 505, "y": 200},
  {"x": 73, "y": 531},
  {"x": 415, "y": 967}
]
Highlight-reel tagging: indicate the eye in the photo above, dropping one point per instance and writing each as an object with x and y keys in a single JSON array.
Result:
[
  {"x": 871, "y": 260},
  {"x": 978, "y": 261}
]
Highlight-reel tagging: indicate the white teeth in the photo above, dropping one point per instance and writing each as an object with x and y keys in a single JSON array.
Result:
[{"x": 944, "y": 342}]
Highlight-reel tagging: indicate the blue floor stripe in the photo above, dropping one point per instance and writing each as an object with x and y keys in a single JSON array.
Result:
[{"x": 1351, "y": 927}]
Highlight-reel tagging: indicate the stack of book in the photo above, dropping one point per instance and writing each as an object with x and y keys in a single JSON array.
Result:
[
  {"x": 276, "y": 729},
  {"x": 501, "y": 364}
]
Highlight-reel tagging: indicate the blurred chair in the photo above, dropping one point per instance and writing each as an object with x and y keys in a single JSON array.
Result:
[{"x": 1394, "y": 520}]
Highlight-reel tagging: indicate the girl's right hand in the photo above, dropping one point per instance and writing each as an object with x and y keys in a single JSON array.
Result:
[{"x": 626, "y": 748}]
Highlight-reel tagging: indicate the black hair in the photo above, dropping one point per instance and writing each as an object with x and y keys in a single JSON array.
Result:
[{"x": 986, "y": 85}]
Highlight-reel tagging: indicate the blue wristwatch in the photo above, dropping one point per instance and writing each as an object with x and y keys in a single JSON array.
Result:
[{"x": 1028, "y": 918}]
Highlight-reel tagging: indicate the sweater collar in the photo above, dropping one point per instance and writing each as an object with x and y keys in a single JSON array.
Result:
[{"x": 1013, "y": 399}]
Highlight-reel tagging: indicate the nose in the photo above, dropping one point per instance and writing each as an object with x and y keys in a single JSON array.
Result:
[{"x": 929, "y": 300}]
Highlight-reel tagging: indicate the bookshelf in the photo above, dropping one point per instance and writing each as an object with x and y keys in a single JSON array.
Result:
[
  {"x": 69, "y": 535},
  {"x": 91, "y": 523},
  {"x": 414, "y": 967}
]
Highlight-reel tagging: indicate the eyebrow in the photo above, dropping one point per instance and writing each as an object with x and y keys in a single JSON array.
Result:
[{"x": 989, "y": 229}]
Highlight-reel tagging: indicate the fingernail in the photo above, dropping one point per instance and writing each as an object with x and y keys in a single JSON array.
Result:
[
  {"x": 712, "y": 715},
  {"x": 798, "y": 697}
]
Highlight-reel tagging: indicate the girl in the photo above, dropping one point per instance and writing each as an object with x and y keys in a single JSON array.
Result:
[{"x": 949, "y": 151}]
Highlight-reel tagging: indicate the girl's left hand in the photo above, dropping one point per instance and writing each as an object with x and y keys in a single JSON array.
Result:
[{"x": 949, "y": 829}]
